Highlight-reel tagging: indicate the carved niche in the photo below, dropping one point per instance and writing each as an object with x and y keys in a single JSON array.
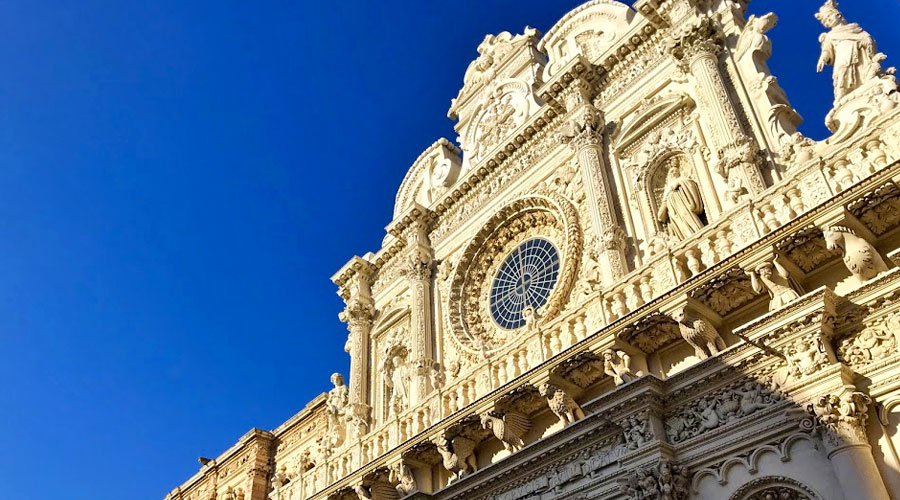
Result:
[{"x": 547, "y": 216}]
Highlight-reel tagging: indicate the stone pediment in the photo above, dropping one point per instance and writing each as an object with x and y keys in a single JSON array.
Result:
[
  {"x": 590, "y": 30},
  {"x": 433, "y": 172},
  {"x": 495, "y": 53}
]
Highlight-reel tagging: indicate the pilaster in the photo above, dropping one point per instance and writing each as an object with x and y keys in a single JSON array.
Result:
[
  {"x": 585, "y": 138},
  {"x": 696, "y": 50}
]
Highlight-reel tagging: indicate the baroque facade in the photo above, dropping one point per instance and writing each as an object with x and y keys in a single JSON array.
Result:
[{"x": 630, "y": 278}]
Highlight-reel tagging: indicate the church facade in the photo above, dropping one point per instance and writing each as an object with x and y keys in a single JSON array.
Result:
[{"x": 630, "y": 278}]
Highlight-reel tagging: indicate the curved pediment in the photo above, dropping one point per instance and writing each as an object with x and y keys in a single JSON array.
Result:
[
  {"x": 433, "y": 172},
  {"x": 589, "y": 29}
]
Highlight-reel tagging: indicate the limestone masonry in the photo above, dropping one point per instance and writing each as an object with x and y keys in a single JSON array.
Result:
[{"x": 629, "y": 278}]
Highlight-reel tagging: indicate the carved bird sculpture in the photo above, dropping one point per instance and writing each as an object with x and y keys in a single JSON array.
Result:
[
  {"x": 458, "y": 455},
  {"x": 204, "y": 460},
  {"x": 860, "y": 256},
  {"x": 508, "y": 428},
  {"x": 700, "y": 334},
  {"x": 561, "y": 404}
]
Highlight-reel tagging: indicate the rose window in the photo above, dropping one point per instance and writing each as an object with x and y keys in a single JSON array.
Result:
[{"x": 525, "y": 280}]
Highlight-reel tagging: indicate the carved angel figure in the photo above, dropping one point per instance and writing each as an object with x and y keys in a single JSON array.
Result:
[
  {"x": 700, "y": 334},
  {"x": 508, "y": 428},
  {"x": 617, "y": 364},
  {"x": 458, "y": 455},
  {"x": 775, "y": 279},
  {"x": 860, "y": 256},
  {"x": 849, "y": 48},
  {"x": 681, "y": 204},
  {"x": 561, "y": 404}
]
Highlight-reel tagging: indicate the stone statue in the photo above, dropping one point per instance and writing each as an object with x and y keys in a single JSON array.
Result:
[
  {"x": 561, "y": 404},
  {"x": 860, "y": 257},
  {"x": 508, "y": 428},
  {"x": 617, "y": 364},
  {"x": 774, "y": 278},
  {"x": 849, "y": 48},
  {"x": 397, "y": 379},
  {"x": 700, "y": 334},
  {"x": 335, "y": 406},
  {"x": 458, "y": 455},
  {"x": 406, "y": 481},
  {"x": 681, "y": 204}
]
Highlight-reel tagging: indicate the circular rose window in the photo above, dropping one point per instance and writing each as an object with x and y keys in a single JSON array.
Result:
[{"x": 525, "y": 279}]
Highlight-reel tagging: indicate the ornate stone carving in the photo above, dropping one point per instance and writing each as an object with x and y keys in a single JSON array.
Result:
[
  {"x": 849, "y": 48},
  {"x": 860, "y": 257},
  {"x": 699, "y": 333},
  {"x": 397, "y": 377},
  {"x": 843, "y": 417},
  {"x": 663, "y": 482},
  {"x": 719, "y": 408},
  {"x": 774, "y": 488},
  {"x": 458, "y": 455},
  {"x": 875, "y": 342},
  {"x": 509, "y": 428},
  {"x": 336, "y": 406},
  {"x": 681, "y": 205},
  {"x": 405, "y": 481},
  {"x": 561, "y": 404},
  {"x": 774, "y": 278},
  {"x": 636, "y": 430},
  {"x": 617, "y": 364}
]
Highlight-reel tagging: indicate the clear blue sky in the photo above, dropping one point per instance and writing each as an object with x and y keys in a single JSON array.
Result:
[{"x": 179, "y": 180}]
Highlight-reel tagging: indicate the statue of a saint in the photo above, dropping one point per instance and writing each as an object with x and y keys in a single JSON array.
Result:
[
  {"x": 397, "y": 379},
  {"x": 849, "y": 48},
  {"x": 681, "y": 204},
  {"x": 335, "y": 406}
]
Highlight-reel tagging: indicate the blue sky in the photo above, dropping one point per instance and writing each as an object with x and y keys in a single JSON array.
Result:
[{"x": 179, "y": 180}]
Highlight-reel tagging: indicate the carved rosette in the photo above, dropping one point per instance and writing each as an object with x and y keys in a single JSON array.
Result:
[{"x": 546, "y": 215}]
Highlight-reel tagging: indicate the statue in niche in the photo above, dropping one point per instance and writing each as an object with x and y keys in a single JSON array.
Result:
[
  {"x": 396, "y": 377},
  {"x": 774, "y": 278},
  {"x": 849, "y": 48},
  {"x": 681, "y": 206}
]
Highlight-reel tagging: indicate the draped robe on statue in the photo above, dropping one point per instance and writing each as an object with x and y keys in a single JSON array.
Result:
[
  {"x": 681, "y": 204},
  {"x": 851, "y": 51}
]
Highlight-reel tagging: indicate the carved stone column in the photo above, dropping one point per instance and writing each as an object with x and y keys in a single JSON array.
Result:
[
  {"x": 413, "y": 226},
  {"x": 586, "y": 140},
  {"x": 354, "y": 281},
  {"x": 842, "y": 417},
  {"x": 697, "y": 51}
]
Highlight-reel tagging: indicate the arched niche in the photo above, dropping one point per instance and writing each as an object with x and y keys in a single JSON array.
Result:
[
  {"x": 774, "y": 487},
  {"x": 672, "y": 195}
]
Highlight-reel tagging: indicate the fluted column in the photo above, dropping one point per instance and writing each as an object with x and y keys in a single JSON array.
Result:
[
  {"x": 413, "y": 226},
  {"x": 586, "y": 140},
  {"x": 354, "y": 282},
  {"x": 697, "y": 51},
  {"x": 842, "y": 417}
]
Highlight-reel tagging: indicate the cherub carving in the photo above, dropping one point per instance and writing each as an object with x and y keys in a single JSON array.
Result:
[
  {"x": 700, "y": 334},
  {"x": 860, "y": 257},
  {"x": 775, "y": 279},
  {"x": 561, "y": 404},
  {"x": 458, "y": 455},
  {"x": 508, "y": 428},
  {"x": 617, "y": 364}
]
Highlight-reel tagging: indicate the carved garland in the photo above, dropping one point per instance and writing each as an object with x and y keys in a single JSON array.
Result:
[{"x": 548, "y": 215}]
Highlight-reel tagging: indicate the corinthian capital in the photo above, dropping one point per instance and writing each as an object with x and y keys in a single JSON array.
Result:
[
  {"x": 358, "y": 314},
  {"x": 701, "y": 38},
  {"x": 842, "y": 418}
]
